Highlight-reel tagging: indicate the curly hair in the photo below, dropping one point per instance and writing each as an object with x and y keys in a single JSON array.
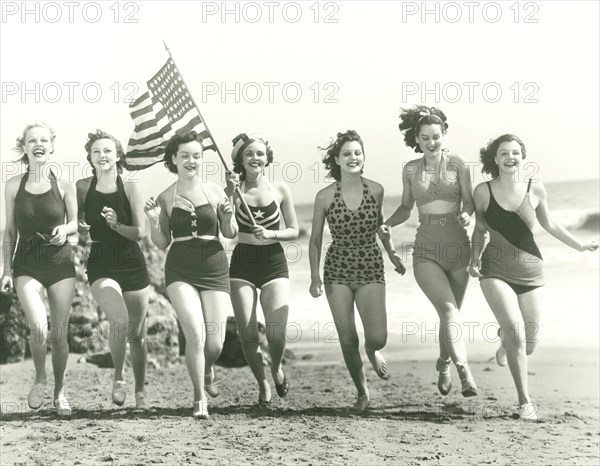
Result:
[
  {"x": 238, "y": 151},
  {"x": 487, "y": 154},
  {"x": 416, "y": 117},
  {"x": 173, "y": 146},
  {"x": 333, "y": 152},
  {"x": 20, "y": 146},
  {"x": 99, "y": 134}
]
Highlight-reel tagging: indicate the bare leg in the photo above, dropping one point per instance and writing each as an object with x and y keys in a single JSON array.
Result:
[
  {"x": 107, "y": 293},
  {"x": 505, "y": 305},
  {"x": 370, "y": 302},
  {"x": 274, "y": 300},
  {"x": 243, "y": 299},
  {"x": 186, "y": 301},
  {"x": 341, "y": 303},
  {"x": 31, "y": 297},
  {"x": 60, "y": 297},
  {"x": 137, "y": 307},
  {"x": 216, "y": 306},
  {"x": 436, "y": 286}
]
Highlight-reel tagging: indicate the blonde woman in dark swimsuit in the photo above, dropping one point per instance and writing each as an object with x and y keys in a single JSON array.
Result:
[
  {"x": 510, "y": 269},
  {"x": 41, "y": 211},
  {"x": 353, "y": 272},
  {"x": 440, "y": 185}
]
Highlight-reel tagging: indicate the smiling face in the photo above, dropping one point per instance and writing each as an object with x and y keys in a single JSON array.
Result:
[
  {"x": 188, "y": 159},
  {"x": 430, "y": 139},
  {"x": 38, "y": 145},
  {"x": 351, "y": 159},
  {"x": 509, "y": 157},
  {"x": 103, "y": 154},
  {"x": 254, "y": 159}
]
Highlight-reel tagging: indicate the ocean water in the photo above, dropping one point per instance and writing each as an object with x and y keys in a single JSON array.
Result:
[{"x": 571, "y": 293}]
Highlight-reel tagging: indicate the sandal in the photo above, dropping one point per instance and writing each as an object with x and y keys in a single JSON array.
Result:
[
  {"x": 467, "y": 381},
  {"x": 119, "y": 392},
  {"x": 444, "y": 377},
  {"x": 35, "y": 399},
  {"x": 140, "y": 400},
  {"x": 210, "y": 384},
  {"x": 528, "y": 412},
  {"x": 62, "y": 406},
  {"x": 200, "y": 410}
]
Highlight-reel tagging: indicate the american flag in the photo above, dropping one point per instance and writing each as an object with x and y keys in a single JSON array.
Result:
[{"x": 165, "y": 109}]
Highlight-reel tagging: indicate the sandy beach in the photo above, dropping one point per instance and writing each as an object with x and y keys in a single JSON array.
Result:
[{"x": 408, "y": 422}]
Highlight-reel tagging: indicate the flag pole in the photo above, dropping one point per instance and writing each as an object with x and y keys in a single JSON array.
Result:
[{"x": 238, "y": 191}]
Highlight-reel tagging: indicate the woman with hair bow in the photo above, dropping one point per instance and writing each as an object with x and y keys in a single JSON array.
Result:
[
  {"x": 258, "y": 261},
  {"x": 440, "y": 185}
]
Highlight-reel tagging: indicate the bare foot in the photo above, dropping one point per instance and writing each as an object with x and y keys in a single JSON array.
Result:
[
  {"x": 361, "y": 403},
  {"x": 379, "y": 364}
]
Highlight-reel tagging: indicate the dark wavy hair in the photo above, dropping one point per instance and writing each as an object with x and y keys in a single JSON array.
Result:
[
  {"x": 333, "y": 152},
  {"x": 238, "y": 166},
  {"x": 487, "y": 154},
  {"x": 416, "y": 117},
  {"x": 20, "y": 145},
  {"x": 99, "y": 134},
  {"x": 173, "y": 146}
]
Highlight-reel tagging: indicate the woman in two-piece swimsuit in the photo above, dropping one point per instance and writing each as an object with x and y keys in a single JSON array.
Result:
[
  {"x": 438, "y": 183},
  {"x": 510, "y": 268},
  {"x": 190, "y": 214},
  {"x": 112, "y": 212},
  {"x": 353, "y": 269},
  {"x": 258, "y": 260},
  {"x": 41, "y": 211}
]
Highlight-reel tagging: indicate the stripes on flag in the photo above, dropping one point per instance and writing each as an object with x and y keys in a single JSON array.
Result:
[{"x": 164, "y": 110}]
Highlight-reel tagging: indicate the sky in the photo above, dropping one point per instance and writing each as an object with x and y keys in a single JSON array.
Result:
[{"x": 300, "y": 72}]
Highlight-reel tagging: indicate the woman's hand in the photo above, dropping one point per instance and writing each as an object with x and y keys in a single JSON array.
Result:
[
  {"x": 59, "y": 235},
  {"x": 475, "y": 269},
  {"x": 384, "y": 232},
  {"x": 226, "y": 210},
  {"x": 152, "y": 210},
  {"x": 83, "y": 228},
  {"x": 110, "y": 216},
  {"x": 316, "y": 287},
  {"x": 399, "y": 266},
  {"x": 233, "y": 181},
  {"x": 262, "y": 233},
  {"x": 591, "y": 246},
  {"x": 6, "y": 283},
  {"x": 463, "y": 219}
]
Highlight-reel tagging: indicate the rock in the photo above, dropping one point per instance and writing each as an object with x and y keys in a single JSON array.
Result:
[
  {"x": 162, "y": 332},
  {"x": 233, "y": 355},
  {"x": 14, "y": 329},
  {"x": 102, "y": 360}
]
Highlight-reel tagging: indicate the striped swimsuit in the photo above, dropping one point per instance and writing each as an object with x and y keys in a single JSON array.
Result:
[{"x": 255, "y": 262}]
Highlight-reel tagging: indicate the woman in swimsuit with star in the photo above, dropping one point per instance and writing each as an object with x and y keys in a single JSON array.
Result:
[{"x": 258, "y": 260}]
